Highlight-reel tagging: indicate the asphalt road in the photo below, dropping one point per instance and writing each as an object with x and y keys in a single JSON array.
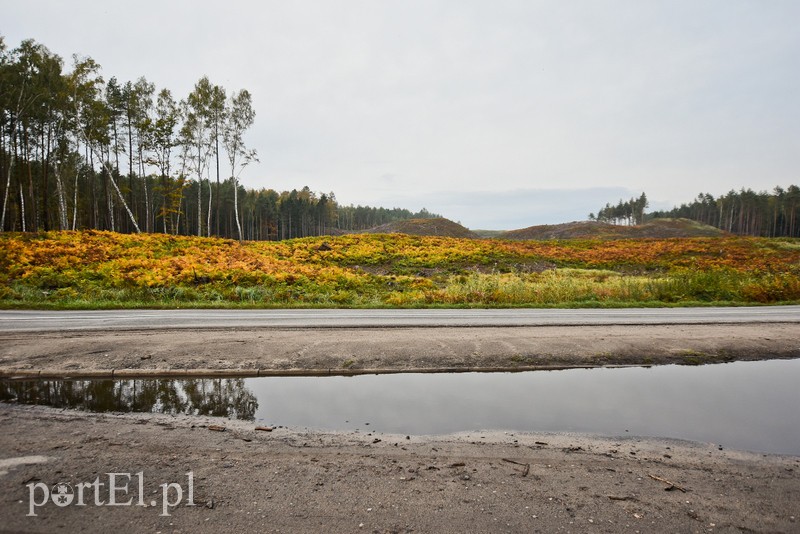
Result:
[{"x": 43, "y": 321}]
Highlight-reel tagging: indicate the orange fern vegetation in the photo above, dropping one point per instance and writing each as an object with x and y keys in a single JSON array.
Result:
[{"x": 103, "y": 269}]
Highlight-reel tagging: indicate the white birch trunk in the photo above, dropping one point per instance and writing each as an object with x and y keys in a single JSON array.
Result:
[
  {"x": 110, "y": 202},
  {"x": 5, "y": 195},
  {"x": 199, "y": 207},
  {"x": 236, "y": 206},
  {"x": 62, "y": 205},
  {"x": 22, "y": 206}
]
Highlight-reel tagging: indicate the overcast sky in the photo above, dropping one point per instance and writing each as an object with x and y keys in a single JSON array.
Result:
[{"x": 499, "y": 114}]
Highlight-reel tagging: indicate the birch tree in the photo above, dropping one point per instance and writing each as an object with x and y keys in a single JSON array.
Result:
[
  {"x": 116, "y": 101},
  {"x": 195, "y": 135},
  {"x": 216, "y": 116},
  {"x": 161, "y": 139},
  {"x": 142, "y": 105},
  {"x": 241, "y": 116},
  {"x": 21, "y": 92},
  {"x": 6, "y": 119},
  {"x": 92, "y": 119}
]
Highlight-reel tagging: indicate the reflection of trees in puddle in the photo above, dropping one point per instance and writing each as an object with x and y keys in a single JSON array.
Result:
[{"x": 223, "y": 397}]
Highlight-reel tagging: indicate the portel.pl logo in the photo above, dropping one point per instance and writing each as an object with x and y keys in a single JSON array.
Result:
[{"x": 117, "y": 491}]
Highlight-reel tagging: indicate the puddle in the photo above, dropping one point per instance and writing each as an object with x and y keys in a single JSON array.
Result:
[{"x": 742, "y": 405}]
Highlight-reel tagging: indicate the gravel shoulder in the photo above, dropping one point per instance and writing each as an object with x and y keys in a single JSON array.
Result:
[{"x": 269, "y": 351}]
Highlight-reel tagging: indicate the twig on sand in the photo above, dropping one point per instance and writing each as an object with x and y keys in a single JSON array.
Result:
[
  {"x": 671, "y": 485},
  {"x": 526, "y": 466},
  {"x": 622, "y": 498}
]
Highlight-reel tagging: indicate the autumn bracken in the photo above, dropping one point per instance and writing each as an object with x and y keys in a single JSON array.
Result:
[{"x": 105, "y": 269}]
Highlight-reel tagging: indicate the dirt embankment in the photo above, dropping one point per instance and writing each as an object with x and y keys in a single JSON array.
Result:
[
  {"x": 653, "y": 229},
  {"x": 425, "y": 227},
  {"x": 253, "y": 352}
]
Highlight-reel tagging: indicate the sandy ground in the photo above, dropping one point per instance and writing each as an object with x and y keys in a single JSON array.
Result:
[
  {"x": 346, "y": 351},
  {"x": 290, "y": 480},
  {"x": 246, "y": 480}
]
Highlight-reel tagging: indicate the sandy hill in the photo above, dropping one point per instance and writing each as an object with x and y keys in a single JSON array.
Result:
[
  {"x": 438, "y": 227},
  {"x": 656, "y": 228}
]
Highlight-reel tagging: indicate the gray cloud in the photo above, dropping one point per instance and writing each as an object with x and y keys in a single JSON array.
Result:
[{"x": 672, "y": 98}]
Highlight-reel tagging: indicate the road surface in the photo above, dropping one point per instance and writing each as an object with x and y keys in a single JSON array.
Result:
[{"x": 105, "y": 320}]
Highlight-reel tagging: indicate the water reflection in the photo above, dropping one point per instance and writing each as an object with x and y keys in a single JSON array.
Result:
[
  {"x": 223, "y": 397},
  {"x": 743, "y": 405}
]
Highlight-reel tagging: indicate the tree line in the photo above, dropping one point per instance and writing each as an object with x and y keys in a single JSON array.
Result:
[
  {"x": 627, "y": 212},
  {"x": 745, "y": 212},
  {"x": 270, "y": 215},
  {"x": 77, "y": 152}
]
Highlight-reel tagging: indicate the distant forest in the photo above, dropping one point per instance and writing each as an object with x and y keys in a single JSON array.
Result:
[
  {"x": 745, "y": 212},
  {"x": 629, "y": 212},
  {"x": 80, "y": 152}
]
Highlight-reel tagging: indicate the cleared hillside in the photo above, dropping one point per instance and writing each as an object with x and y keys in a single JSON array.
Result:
[
  {"x": 425, "y": 227},
  {"x": 656, "y": 228}
]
